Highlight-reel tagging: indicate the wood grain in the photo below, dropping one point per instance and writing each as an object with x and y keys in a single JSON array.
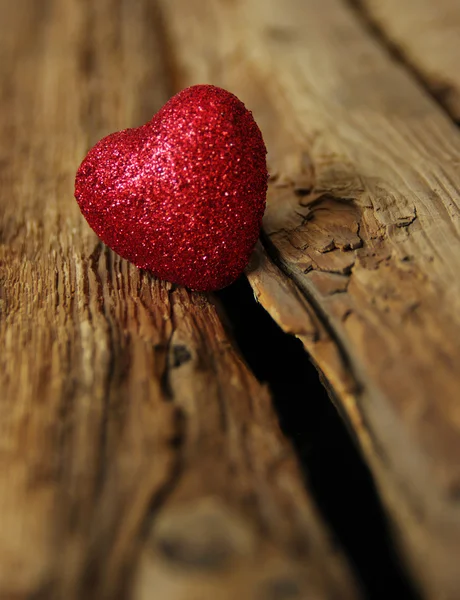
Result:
[
  {"x": 363, "y": 220},
  {"x": 139, "y": 457},
  {"x": 427, "y": 34}
]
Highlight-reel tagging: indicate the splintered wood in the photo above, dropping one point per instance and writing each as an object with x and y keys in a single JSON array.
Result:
[{"x": 363, "y": 220}]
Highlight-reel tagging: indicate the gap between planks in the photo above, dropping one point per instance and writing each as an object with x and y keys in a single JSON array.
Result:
[{"x": 425, "y": 34}]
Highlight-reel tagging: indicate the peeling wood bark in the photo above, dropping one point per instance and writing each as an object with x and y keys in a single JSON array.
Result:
[
  {"x": 427, "y": 34},
  {"x": 362, "y": 233},
  {"x": 139, "y": 456}
]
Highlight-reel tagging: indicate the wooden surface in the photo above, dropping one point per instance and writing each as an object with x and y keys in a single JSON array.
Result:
[
  {"x": 427, "y": 35},
  {"x": 140, "y": 457},
  {"x": 363, "y": 218}
]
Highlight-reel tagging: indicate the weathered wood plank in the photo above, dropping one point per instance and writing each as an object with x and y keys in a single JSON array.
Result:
[
  {"x": 363, "y": 216},
  {"x": 139, "y": 456},
  {"x": 427, "y": 34}
]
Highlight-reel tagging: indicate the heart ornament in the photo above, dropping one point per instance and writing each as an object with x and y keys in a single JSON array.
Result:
[{"x": 183, "y": 195}]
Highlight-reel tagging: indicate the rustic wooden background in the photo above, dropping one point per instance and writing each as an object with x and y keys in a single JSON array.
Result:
[{"x": 140, "y": 455}]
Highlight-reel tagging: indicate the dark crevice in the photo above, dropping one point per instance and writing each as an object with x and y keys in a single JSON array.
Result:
[
  {"x": 336, "y": 474},
  {"x": 438, "y": 90}
]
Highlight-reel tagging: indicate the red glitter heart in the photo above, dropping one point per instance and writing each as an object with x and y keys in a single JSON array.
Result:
[{"x": 183, "y": 195}]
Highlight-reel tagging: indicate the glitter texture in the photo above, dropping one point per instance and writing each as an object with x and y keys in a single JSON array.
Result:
[{"x": 182, "y": 196}]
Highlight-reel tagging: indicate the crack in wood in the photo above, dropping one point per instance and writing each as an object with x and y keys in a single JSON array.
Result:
[
  {"x": 428, "y": 61},
  {"x": 288, "y": 369}
]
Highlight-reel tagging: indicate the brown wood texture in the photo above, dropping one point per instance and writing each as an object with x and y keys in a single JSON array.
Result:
[
  {"x": 427, "y": 34},
  {"x": 361, "y": 236},
  {"x": 139, "y": 457}
]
